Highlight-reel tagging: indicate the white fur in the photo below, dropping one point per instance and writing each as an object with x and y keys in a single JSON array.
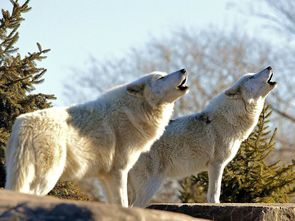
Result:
[
  {"x": 206, "y": 141},
  {"x": 98, "y": 141}
]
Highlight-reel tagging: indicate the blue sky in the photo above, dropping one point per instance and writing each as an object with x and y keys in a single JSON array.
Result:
[{"x": 75, "y": 30}]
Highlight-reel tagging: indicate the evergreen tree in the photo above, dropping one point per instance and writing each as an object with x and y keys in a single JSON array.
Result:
[
  {"x": 248, "y": 177},
  {"x": 18, "y": 75}
]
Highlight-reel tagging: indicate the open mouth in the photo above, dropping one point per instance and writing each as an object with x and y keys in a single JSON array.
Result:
[
  {"x": 182, "y": 86},
  {"x": 272, "y": 83}
]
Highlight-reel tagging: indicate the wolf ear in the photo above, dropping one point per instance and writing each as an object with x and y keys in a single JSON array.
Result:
[
  {"x": 135, "y": 89},
  {"x": 233, "y": 92}
]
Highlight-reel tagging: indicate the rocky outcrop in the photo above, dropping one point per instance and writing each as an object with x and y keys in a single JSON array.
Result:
[
  {"x": 15, "y": 206},
  {"x": 234, "y": 212}
]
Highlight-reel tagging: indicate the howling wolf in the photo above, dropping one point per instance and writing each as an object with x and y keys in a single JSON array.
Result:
[
  {"x": 101, "y": 139},
  {"x": 205, "y": 141}
]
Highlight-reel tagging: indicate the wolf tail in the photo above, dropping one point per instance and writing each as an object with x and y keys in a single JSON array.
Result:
[{"x": 20, "y": 158}]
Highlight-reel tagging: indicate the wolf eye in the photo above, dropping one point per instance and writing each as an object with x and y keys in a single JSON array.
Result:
[
  {"x": 251, "y": 77},
  {"x": 160, "y": 78}
]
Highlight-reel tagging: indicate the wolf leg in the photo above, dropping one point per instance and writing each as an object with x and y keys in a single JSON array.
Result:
[
  {"x": 94, "y": 188},
  {"x": 38, "y": 180},
  {"x": 144, "y": 189},
  {"x": 116, "y": 187},
  {"x": 46, "y": 178},
  {"x": 215, "y": 177}
]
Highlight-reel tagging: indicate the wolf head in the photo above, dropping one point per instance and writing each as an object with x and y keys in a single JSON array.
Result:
[
  {"x": 159, "y": 87},
  {"x": 253, "y": 87}
]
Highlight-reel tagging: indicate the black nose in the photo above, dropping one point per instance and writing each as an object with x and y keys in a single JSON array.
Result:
[
  {"x": 182, "y": 70},
  {"x": 269, "y": 68}
]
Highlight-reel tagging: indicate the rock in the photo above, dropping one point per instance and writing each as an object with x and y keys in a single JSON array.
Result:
[
  {"x": 235, "y": 212},
  {"x": 16, "y": 206}
]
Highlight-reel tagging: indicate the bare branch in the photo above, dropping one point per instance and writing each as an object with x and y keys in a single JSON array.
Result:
[{"x": 284, "y": 114}]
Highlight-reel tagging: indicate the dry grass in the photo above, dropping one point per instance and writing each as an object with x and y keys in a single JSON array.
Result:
[{"x": 68, "y": 190}]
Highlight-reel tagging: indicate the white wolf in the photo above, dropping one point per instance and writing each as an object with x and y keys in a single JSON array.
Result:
[
  {"x": 205, "y": 141},
  {"x": 99, "y": 139}
]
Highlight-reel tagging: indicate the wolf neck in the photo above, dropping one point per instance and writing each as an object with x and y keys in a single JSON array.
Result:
[
  {"x": 241, "y": 117},
  {"x": 150, "y": 122}
]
